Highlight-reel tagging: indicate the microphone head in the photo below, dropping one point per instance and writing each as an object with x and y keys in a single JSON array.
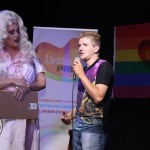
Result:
[{"x": 77, "y": 58}]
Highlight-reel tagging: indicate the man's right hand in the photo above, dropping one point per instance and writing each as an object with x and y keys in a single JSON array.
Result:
[{"x": 65, "y": 118}]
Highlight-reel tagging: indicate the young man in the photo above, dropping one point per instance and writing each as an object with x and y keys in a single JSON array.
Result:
[{"x": 94, "y": 94}]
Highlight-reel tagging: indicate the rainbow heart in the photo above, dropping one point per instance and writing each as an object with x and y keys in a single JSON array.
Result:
[
  {"x": 144, "y": 51},
  {"x": 58, "y": 61}
]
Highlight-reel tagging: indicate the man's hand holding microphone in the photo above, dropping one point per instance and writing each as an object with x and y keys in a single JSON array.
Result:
[{"x": 77, "y": 68}]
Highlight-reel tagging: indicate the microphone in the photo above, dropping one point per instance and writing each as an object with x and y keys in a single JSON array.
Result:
[{"x": 74, "y": 75}]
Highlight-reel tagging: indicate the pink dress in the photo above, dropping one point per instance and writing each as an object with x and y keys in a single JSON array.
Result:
[{"x": 16, "y": 132}]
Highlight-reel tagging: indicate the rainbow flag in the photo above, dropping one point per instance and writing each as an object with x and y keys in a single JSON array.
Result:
[{"x": 132, "y": 61}]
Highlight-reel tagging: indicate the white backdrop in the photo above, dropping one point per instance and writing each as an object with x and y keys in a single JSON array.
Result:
[{"x": 56, "y": 48}]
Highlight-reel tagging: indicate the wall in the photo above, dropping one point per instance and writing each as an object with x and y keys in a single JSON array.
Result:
[{"x": 129, "y": 124}]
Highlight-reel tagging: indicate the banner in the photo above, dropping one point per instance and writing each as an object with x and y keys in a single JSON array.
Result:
[
  {"x": 56, "y": 48},
  {"x": 132, "y": 61}
]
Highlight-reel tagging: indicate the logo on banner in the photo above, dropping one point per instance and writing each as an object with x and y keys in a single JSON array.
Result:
[{"x": 58, "y": 61}]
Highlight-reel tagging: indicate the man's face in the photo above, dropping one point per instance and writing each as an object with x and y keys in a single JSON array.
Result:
[{"x": 86, "y": 49}]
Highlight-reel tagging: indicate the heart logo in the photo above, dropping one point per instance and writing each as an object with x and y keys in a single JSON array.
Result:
[
  {"x": 58, "y": 61},
  {"x": 144, "y": 51}
]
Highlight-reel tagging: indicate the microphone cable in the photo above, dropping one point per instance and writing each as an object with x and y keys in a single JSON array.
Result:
[
  {"x": 1, "y": 125},
  {"x": 73, "y": 107}
]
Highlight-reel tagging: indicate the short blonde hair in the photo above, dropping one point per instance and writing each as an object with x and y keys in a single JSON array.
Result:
[{"x": 93, "y": 35}]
